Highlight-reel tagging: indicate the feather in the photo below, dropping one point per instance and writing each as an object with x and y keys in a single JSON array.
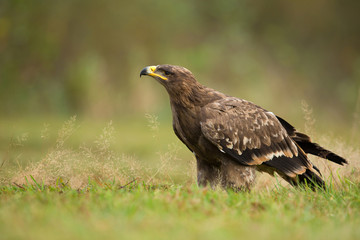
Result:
[{"x": 310, "y": 147}]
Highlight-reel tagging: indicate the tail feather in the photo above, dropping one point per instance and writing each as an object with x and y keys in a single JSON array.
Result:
[
  {"x": 317, "y": 150},
  {"x": 308, "y": 146}
]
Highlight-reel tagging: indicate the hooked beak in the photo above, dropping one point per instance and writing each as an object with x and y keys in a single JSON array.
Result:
[{"x": 150, "y": 71}]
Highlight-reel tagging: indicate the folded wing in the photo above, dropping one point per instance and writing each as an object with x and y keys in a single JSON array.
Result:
[{"x": 253, "y": 136}]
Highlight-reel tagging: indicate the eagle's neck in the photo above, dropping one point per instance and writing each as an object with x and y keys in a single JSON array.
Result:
[
  {"x": 186, "y": 103},
  {"x": 191, "y": 95}
]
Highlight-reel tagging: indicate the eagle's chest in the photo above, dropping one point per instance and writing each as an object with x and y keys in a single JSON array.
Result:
[
  {"x": 186, "y": 124},
  {"x": 188, "y": 129}
]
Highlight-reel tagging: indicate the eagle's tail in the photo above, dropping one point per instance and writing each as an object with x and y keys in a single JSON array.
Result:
[
  {"x": 308, "y": 146},
  {"x": 315, "y": 149}
]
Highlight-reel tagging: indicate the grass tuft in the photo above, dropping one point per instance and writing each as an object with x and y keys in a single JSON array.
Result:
[{"x": 89, "y": 162}]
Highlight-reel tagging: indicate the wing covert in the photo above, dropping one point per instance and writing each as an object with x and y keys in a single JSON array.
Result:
[{"x": 245, "y": 131}]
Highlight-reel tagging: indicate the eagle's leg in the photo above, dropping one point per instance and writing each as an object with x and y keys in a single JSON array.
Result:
[
  {"x": 236, "y": 176},
  {"x": 207, "y": 174},
  {"x": 228, "y": 174}
]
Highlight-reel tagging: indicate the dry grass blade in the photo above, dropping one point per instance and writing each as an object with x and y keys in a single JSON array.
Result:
[
  {"x": 19, "y": 186},
  {"x": 127, "y": 184},
  {"x": 308, "y": 117}
]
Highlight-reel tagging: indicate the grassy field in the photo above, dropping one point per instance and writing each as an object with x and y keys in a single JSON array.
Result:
[
  {"x": 139, "y": 211},
  {"x": 132, "y": 179}
]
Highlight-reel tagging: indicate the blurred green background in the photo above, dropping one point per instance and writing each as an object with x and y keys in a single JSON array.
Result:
[{"x": 61, "y": 58}]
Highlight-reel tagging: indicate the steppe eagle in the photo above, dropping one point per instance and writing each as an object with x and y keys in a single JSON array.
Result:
[{"x": 232, "y": 137}]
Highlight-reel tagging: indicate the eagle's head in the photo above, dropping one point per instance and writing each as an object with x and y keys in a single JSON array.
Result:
[
  {"x": 180, "y": 84},
  {"x": 169, "y": 75}
]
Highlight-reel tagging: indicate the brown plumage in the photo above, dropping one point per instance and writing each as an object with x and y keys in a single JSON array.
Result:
[{"x": 232, "y": 137}]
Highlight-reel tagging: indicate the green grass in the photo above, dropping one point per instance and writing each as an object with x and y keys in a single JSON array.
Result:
[
  {"x": 132, "y": 179},
  {"x": 139, "y": 211}
]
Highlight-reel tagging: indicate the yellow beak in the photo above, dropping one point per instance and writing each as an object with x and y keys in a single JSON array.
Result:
[{"x": 150, "y": 71}]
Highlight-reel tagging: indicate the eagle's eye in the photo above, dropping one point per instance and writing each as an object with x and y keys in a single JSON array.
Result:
[{"x": 167, "y": 73}]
